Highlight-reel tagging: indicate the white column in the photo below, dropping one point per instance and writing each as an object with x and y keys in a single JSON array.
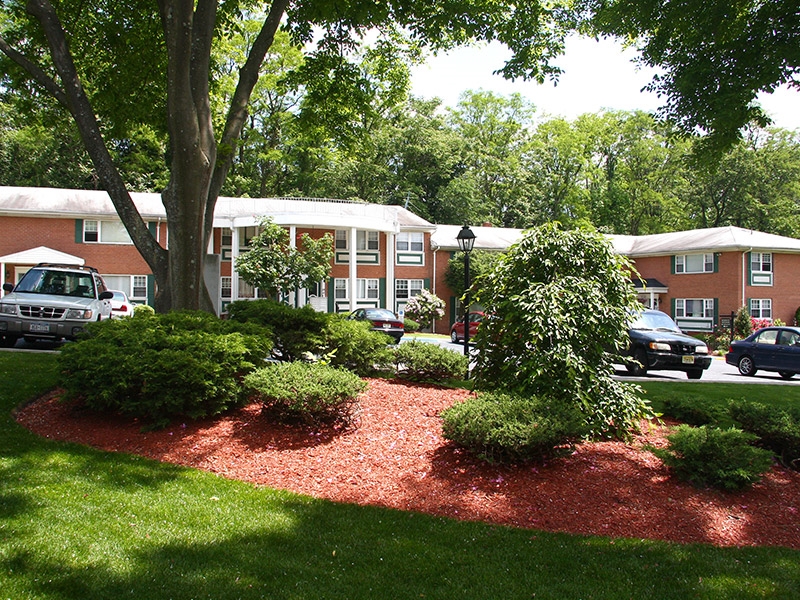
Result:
[
  {"x": 390, "y": 272},
  {"x": 293, "y": 294},
  {"x": 353, "y": 267},
  {"x": 234, "y": 256}
]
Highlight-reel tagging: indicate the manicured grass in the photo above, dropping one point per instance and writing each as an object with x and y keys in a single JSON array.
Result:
[
  {"x": 83, "y": 524},
  {"x": 719, "y": 395}
]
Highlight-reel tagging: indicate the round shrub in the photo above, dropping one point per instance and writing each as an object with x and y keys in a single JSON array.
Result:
[
  {"x": 502, "y": 427},
  {"x": 311, "y": 393},
  {"x": 777, "y": 429},
  {"x": 420, "y": 361},
  {"x": 353, "y": 345},
  {"x": 707, "y": 456},
  {"x": 154, "y": 368}
]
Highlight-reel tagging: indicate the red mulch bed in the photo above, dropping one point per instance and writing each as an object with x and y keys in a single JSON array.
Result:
[{"x": 396, "y": 457}]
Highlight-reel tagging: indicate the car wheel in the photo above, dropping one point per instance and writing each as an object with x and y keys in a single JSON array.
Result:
[
  {"x": 694, "y": 374},
  {"x": 638, "y": 366},
  {"x": 786, "y": 374},
  {"x": 747, "y": 367},
  {"x": 453, "y": 337},
  {"x": 8, "y": 341}
]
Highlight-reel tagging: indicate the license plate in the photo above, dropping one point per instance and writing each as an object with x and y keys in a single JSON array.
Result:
[
  {"x": 40, "y": 328},
  {"x": 687, "y": 360},
  {"x": 387, "y": 325}
]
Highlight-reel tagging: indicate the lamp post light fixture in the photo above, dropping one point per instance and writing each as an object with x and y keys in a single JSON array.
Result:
[{"x": 466, "y": 241}]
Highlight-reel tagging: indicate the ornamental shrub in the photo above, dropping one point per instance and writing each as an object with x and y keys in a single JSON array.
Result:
[
  {"x": 310, "y": 393},
  {"x": 353, "y": 345},
  {"x": 420, "y": 361},
  {"x": 410, "y": 326},
  {"x": 296, "y": 332},
  {"x": 693, "y": 411},
  {"x": 502, "y": 427},
  {"x": 559, "y": 305},
  {"x": 778, "y": 430},
  {"x": 160, "y": 367},
  {"x": 425, "y": 308},
  {"x": 707, "y": 456},
  {"x": 742, "y": 324}
]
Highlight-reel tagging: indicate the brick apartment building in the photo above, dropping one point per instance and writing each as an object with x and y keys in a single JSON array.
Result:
[{"x": 385, "y": 255}]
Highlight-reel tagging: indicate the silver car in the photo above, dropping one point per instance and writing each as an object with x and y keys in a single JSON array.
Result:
[{"x": 52, "y": 302}]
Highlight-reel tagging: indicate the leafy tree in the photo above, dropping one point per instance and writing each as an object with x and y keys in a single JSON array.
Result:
[
  {"x": 558, "y": 300},
  {"x": 742, "y": 324},
  {"x": 481, "y": 262},
  {"x": 274, "y": 265},
  {"x": 713, "y": 56},
  {"x": 89, "y": 57}
]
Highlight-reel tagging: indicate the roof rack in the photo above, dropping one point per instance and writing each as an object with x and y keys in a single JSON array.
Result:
[{"x": 67, "y": 266}]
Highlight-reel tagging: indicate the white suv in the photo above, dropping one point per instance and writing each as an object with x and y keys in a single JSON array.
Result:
[{"x": 52, "y": 302}]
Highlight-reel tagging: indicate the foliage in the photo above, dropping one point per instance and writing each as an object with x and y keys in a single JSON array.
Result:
[
  {"x": 797, "y": 316},
  {"x": 353, "y": 345},
  {"x": 159, "y": 368},
  {"x": 410, "y": 326},
  {"x": 425, "y": 308},
  {"x": 713, "y": 57},
  {"x": 742, "y": 324},
  {"x": 777, "y": 429},
  {"x": 720, "y": 458},
  {"x": 481, "y": 262},
  {"x": 297, "y": 332},
  {"x": 693, "y": 411},
  {"x": 272, "y": 264},
  {"x": 503, "y": 427},
  {"x": 420, "y": 361},
  {"x": 312, "y": 393},
  {"x": 719, "y": 341},
  {"x": 558, "y": 299},
  {"x": 143, "y": 309}
]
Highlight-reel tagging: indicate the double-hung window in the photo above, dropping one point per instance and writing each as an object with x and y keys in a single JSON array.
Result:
[
  {"x": 365, "y": 240},
  {"x": 694, "y": 263},
  {"x": 761, "y": 308},
  {"x": 694, "y": 308},
  {"x": 407, "y": 288},
  {"x": 105, "y": 232},
  {"x": 410, "y": 241},
  {"x": 761, "y": 268}
]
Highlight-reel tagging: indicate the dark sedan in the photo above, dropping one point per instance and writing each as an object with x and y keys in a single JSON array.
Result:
[
  {"x": 657, "y": 343},
  {"x": 382, "y": 320},
  {"x": 768, "y": 349}
]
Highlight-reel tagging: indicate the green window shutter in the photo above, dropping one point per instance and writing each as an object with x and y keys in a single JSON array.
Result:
[
  {"x": 152, "y": 226},
  {"x": 382, "y": 293},
  {"x": 749, "y": 273},
  {"x": 716, "y": 262},
  {"x": 672, "y": 307},
  {"x": 151, "y": 289},
  {"x": 672, "y": 264},
  {"x": 426, "y": 283},
  {"x": 78, "y": 231},
  {"x": 747, "y": 305},
  {"x": 331, "y": 294}
]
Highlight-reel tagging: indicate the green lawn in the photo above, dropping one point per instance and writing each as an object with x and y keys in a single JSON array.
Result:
[{"x": 79, "y": 523}]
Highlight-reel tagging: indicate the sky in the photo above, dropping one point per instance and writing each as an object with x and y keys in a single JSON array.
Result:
[{"x": 597, "y": 75}]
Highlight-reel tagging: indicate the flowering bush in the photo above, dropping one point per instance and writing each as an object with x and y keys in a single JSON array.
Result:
[
  {"x": 760, "y": 323},
  {"x": 425, "y": 308}
]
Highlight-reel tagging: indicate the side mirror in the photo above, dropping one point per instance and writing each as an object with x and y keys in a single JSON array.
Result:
[
  {"x": 8, "y": 287},
  {"x": 106, "y": 295}
]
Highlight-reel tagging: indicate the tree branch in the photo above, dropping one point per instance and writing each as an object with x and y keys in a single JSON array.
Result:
[{"x": 35, "y": 71}]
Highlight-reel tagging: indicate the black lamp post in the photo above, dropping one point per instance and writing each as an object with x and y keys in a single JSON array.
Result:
[{"x": 466, "y": 241}]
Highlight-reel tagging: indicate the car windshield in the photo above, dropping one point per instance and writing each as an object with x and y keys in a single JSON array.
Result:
[
  {"x": 655, "y": 321},
  {"x": 58, "y": 283}
]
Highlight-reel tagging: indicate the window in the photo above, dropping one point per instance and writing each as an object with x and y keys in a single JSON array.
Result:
[
  {"x": 367, "y": 289},
  {"x": 365, "y": 240},
  {"x": 694, "y": 263},
  {"x": 226, "y": 287},
  {"x": 410, "y": 241},
  {"x": 105, "y": 232},
  {"x": 340, "y": 289},
  {"x": 139, "y": 287},
  {"x": 694, "y": 308},
  {"x": 761, "y": 262},
  {"x": 408, "y": 288},
  {"x": 761, "y": 308}
]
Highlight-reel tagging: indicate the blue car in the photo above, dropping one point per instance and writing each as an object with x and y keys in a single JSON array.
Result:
[{"x": 768, "y": 349}]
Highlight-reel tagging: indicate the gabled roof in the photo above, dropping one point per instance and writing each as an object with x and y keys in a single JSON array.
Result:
[
  {"x": 486, "y": 238},
  {"x": 716, "y": 239},
  {"x": 34, "y": 256}
]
